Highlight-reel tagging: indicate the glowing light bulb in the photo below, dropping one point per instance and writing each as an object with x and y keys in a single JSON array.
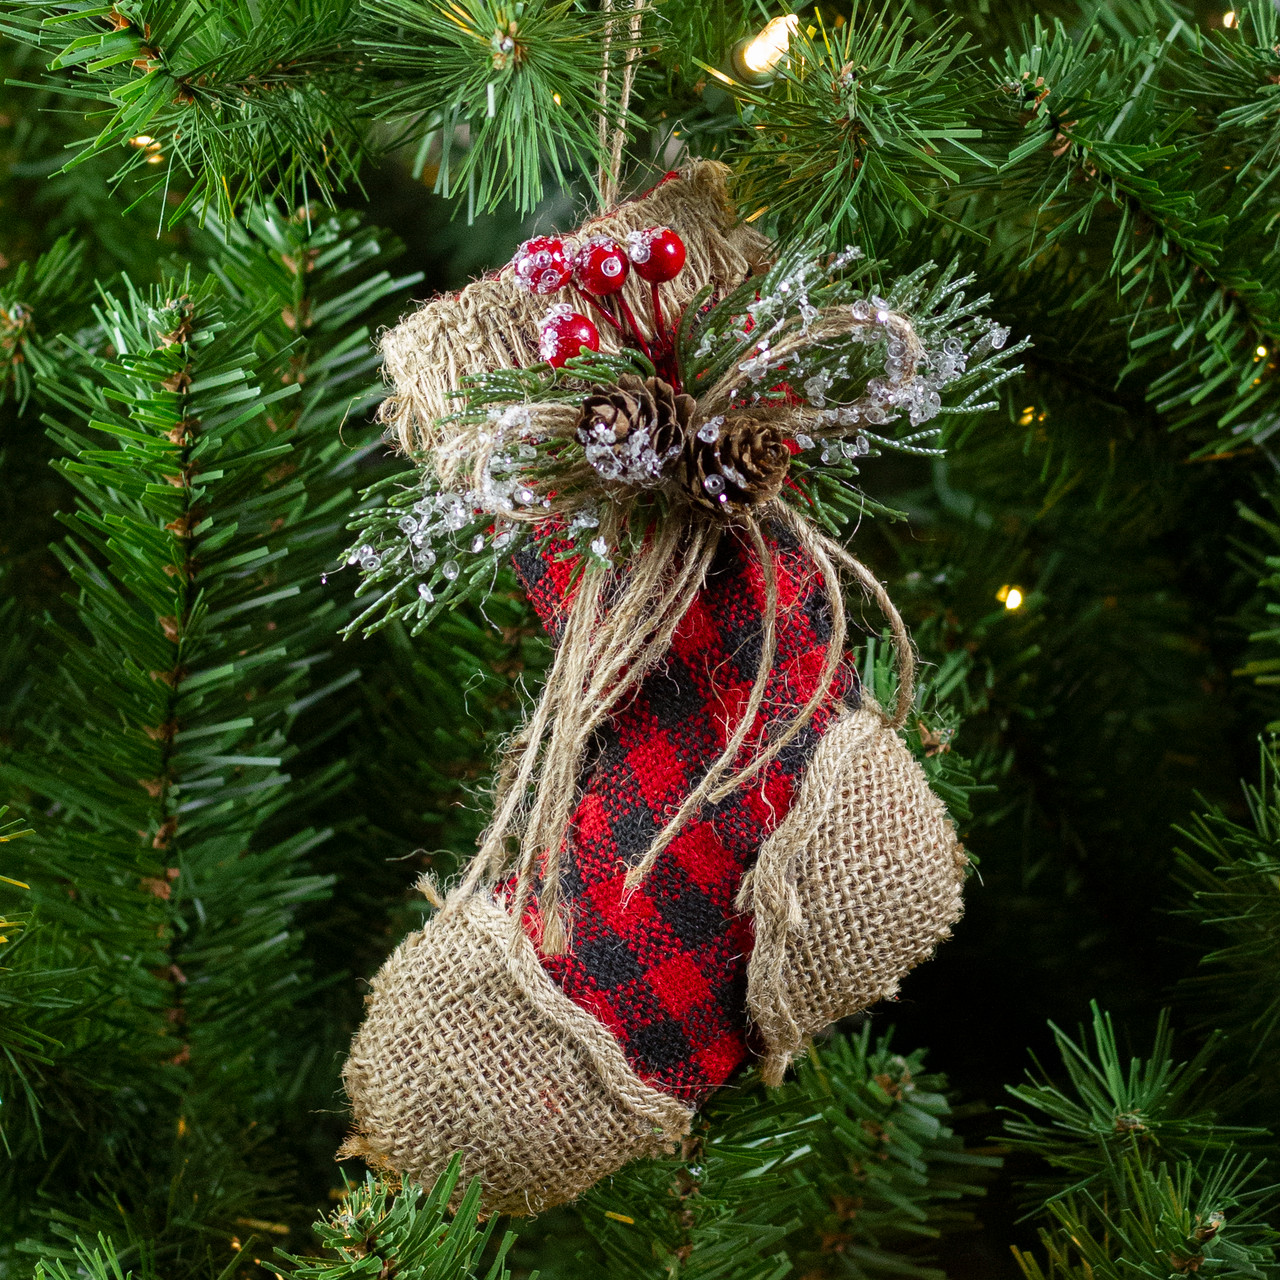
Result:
[
  {"x": 755, "y": 60},
  {"x": 1229, "y": 18},
  {"x": 142, "y": 140},
  {"x": 1010, "y": 597},
  {"x": 1261, "y": 353},
  {"x": 767, "y": 49}
]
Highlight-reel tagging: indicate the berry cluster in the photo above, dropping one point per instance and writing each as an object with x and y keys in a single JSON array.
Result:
[{"x": 596, "y": 270}]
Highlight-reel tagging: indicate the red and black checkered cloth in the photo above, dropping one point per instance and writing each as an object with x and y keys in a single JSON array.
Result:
[{"x": 664, "y": 968}]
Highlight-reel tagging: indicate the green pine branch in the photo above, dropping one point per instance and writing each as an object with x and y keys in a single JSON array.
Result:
[
  {"x": 175, "y": 696},
  {"x": 223, "y": 105},
  {"x": 864, "y": 128},
  {"x": 407, "y": 1233},
  {"x": 1170, "y": 1219},
  {"x": 171, "y": 864},
  {"x": 1144, "y": 1178},
  {"x": 522, "y": 83},
  {"x": 850, "y": 1169},
  {"x": 1132, "y": 144},
  {"x": 1230, "y": 871},
  {"x": 38, "y": 301},
  {"x": 1111, "y": 1109}
]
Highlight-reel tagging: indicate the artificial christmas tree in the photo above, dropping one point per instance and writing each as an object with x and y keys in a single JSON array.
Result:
[{"x": 227, "y": 800}]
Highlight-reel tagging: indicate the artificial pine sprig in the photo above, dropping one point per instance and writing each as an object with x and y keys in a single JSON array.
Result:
[
  {"x": 424, "y": 549},
  {"x": 174, "y": 696},
  {"x": 857, "y": 384},
  {"x": 855, "y": 1159},
  {"x": 1231, "y": 872},
  {"x": 200, "y": 430},
  {"x": 380, "y": 1230},
  {"x": 37, "y": 302},
  {"x": 1158, "y": 134},
  {"x": 1168, "y": 1219},
  {"x": 1112, "y": 1107}
]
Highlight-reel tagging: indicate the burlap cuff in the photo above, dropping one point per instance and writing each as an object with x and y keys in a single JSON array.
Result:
[
  {"x": 468, "y": 1046},
  {"x": 493, "y": 322},
  {"x": 857, "y": 886}
]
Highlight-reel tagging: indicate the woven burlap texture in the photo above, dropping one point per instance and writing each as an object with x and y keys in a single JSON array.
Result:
[
  {"x": 468, "y": 1046},
  {"x": 493, "y": 322},
  {"x": 857, "y": 886}
]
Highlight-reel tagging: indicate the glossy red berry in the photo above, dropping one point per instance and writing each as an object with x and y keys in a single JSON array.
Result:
[
  {"x": 602, "y": 266},
  {"x": 566, "y": 334},
  {"x": 543, "y": 264},
  {"x": 657, "y": 254}
]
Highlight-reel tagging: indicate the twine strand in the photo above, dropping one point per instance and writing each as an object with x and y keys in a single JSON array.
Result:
[
  {"x": 612, "y": 143},
  {"x": 602, "y": 121}
]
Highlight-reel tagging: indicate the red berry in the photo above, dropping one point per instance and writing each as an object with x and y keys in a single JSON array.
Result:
[
  {"x": 543, "y": 264},
  {"x": 657, "y": 254},
  {"x": 601, "y": 267},
  {"x": 566, "y": 334}
]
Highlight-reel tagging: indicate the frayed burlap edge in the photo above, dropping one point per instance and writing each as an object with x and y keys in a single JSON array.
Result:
[
  {"x": 456, "y": 1037},
  {"x": 493, "y": 322},
  {"x": 858, "y": 885}
]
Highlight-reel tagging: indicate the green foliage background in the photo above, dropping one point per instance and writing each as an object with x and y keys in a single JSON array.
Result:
[{"x": 208, "y": 208}]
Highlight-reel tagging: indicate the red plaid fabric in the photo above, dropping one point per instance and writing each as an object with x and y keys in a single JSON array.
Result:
[{"x": 664, "y": 968}]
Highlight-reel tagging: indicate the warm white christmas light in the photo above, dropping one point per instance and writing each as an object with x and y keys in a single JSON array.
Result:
[
  {"x": 755, "y": 60},
  {"x": 768, "y": 48}
]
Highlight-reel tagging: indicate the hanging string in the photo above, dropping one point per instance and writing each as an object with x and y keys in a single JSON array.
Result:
[
  {"x": 613, "y": 141},
  {"x": 602, "y": 120}
]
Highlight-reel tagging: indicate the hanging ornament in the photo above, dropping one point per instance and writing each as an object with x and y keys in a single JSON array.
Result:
[{"x": 710, "y": 842}]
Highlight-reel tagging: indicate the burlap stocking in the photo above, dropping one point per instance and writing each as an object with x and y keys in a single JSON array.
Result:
[{"x": 801, "y": 896}]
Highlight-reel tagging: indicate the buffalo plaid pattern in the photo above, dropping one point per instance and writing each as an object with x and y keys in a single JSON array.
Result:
[{"x": 664, "y": 967}]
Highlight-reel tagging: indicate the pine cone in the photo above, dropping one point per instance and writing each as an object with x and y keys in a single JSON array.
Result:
[
  {"x": 633, "y": 430},
  {"x": 739, "y": 463}
]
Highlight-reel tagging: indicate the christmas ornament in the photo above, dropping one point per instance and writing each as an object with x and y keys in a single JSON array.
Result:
[{"x": 708, "y": 842}]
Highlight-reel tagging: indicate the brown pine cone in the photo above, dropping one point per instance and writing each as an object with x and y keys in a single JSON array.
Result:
[
  {"x": 737, "y": 463},
  {"x": 634, "y": 430}
]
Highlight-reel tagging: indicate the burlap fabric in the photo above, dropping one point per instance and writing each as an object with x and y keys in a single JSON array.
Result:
[
  {"x": 854, "y": 889},
  {"x": 493, "y": 322},
  {"x": 468, "y": 1046}
]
